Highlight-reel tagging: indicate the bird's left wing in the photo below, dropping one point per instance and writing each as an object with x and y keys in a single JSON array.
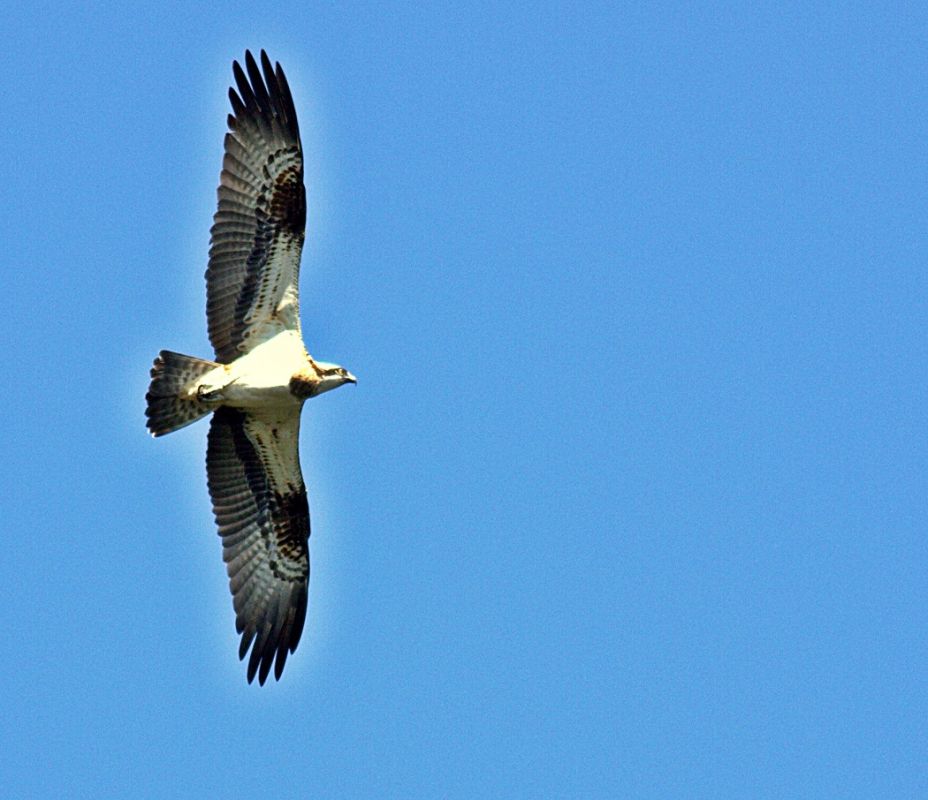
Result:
[
  {"x": 253, "y": 471},
  {"x": 252, "y": 282}
]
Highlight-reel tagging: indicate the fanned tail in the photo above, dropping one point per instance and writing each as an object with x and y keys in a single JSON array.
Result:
[{"x": 170, "y": 405}]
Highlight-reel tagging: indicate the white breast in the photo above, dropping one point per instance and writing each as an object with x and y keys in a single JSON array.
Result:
[{"x": 261, "y": 377}]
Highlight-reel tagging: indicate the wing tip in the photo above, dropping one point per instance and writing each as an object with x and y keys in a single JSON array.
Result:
[
  {"x": 274, "y": 643},
  {"x": 263, "y": 92}
]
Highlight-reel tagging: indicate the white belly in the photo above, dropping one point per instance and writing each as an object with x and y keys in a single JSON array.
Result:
[{"x": 261, "y": 378}]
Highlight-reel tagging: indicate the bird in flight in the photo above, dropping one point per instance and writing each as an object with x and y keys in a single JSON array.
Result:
[{"x": 262, "y": 373}]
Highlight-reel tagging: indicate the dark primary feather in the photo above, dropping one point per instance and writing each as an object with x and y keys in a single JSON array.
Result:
[
  {"x": 258, "y": 228},
  {"x": 265, "y": 532}
]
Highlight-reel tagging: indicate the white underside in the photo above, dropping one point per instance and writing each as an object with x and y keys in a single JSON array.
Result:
[{"x": 260, "y": 379}]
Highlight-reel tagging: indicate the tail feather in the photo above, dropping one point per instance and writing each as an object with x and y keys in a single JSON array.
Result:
[{"x": 169, "y": 405}]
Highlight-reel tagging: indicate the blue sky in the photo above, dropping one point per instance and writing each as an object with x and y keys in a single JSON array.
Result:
[{"x": 630, "y": 499}]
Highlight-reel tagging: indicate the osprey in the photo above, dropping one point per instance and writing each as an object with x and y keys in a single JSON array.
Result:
[{"x": 262, "y": 373}]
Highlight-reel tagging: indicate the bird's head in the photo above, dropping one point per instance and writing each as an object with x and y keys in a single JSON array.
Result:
[{"x": 331, "y": 376}]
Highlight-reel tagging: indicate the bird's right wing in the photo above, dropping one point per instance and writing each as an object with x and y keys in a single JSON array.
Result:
[{"x": 252, "y": 282}]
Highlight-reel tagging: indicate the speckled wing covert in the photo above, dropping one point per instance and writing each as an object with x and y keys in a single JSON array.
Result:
[
  {"x": 253, "y": 471},
  {"x": 252, "y": 282}
]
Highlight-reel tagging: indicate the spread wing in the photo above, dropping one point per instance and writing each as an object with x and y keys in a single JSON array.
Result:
[
  {"x": 253, "y": 471},
  {"x": 252, "y": 282}
]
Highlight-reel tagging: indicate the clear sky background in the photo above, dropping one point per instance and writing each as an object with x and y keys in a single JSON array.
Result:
[{"x": 630, "y": 499}]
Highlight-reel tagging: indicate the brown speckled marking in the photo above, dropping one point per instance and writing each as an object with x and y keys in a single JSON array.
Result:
[
  {"x": 303, "y": 384},
  {"x": 288, "y": 200}
]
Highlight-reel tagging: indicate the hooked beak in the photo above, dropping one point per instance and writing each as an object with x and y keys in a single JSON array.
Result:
[{"x": 350, "y": 378}]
